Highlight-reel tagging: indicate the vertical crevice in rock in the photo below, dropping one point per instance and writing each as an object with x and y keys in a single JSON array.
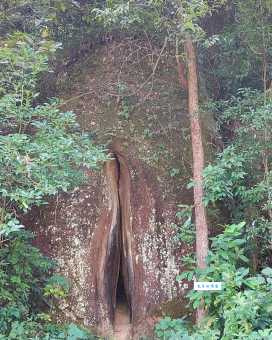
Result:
[
  {"x": 115, "y": 276},
  {"x": 109, "y": 249},
  {"x": 124, "y": 292},
  {"x": 124, "y": 190}
]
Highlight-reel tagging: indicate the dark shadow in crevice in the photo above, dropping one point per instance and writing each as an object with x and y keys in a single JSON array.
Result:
[
  {"x": 122, "y": 310},
  {"x": 122, "y": 296}
]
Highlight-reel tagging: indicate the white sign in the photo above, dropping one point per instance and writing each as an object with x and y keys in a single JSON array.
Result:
[{"x": 207, "y": 285}]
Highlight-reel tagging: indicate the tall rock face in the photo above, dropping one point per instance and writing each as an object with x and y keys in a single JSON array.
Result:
[{"x": 116, "y": 234}]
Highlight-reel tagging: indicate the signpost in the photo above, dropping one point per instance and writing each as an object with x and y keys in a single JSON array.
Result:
[{"x": 207, "y": 286}]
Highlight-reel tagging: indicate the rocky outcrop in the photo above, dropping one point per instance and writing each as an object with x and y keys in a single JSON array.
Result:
[
  {"x": 119, "y": 225},
  {"x": 81, "y": 231},
  {"x": 118, "y": 215}
]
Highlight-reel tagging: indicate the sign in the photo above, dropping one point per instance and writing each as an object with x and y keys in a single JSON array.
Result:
[{"x": 207, "y": 286}]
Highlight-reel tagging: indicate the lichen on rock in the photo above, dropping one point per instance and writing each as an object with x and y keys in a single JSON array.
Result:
[{"x": 127, "y": 210}]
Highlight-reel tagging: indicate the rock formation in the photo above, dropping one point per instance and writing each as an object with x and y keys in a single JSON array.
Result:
[{"x": 114, "y": 236}]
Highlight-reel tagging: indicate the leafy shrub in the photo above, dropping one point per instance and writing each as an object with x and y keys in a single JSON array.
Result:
[
  {"x": 242, "y": 309},
  {"x": 27, "y": 293},
  {"x": 42, "y": 152},
  {"x": 185, "y": 228},
  {"x": 169, "y": 328},
  {"x": 41, "y": 148},
  {"x": 30, "y": 329}
]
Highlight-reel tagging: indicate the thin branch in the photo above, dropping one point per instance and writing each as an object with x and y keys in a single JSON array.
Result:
[{"x": 125, "y": 95}]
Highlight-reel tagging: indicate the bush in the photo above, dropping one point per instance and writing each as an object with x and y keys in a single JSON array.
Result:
[
  {"x": 42, "y": 152},
  {"x": 242, "y": 309}
]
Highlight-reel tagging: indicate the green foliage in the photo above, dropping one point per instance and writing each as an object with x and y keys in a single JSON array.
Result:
[
  {"x": 27, "y": 291},
  {"x": 22, "y": 61},
  {"x": 35, "y": 330},
  {"x": 242, "y": 310},
  {"x": 171, "y": 329},
  {"x": 42, "y": 152},
  {"x": 31, "y": 158},
  {"x": 174, "y": 172},
  {"x": 19, "y": 263},
  {"x": 117, "y": 15},
  {"x": 238, "y": 257},
  {"x": 185, "y": 227},
  {"x": 225, "y": 179},
  {"x": 68, "y": 21},
  {"x": 254, "y": 27},
  {"x": 241, "y": 176},
  {"x": 8, "y": 224},
  {"x": 124, "y": 113},
  {"x": 174, "y": 19},
  {"x": 241, "y": 56},
  {"x": 41, "y": 147}
]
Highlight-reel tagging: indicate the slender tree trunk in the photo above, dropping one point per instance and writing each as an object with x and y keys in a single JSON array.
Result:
[{"x": 198, "y": 162}]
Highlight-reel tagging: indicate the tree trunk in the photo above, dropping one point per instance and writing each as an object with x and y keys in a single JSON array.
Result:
[{"x": 198, "y": 163}]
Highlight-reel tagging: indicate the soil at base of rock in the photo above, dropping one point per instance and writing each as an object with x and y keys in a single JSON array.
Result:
[{"x": 122, "y": 325}]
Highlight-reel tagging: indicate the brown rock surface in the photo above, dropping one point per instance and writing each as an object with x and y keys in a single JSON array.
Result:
[{"x": 120, "y": 223}]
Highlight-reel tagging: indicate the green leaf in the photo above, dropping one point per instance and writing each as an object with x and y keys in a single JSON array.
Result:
[
  {"x": 75, "y": 333},
  {"x": 267, "y": 272}
]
